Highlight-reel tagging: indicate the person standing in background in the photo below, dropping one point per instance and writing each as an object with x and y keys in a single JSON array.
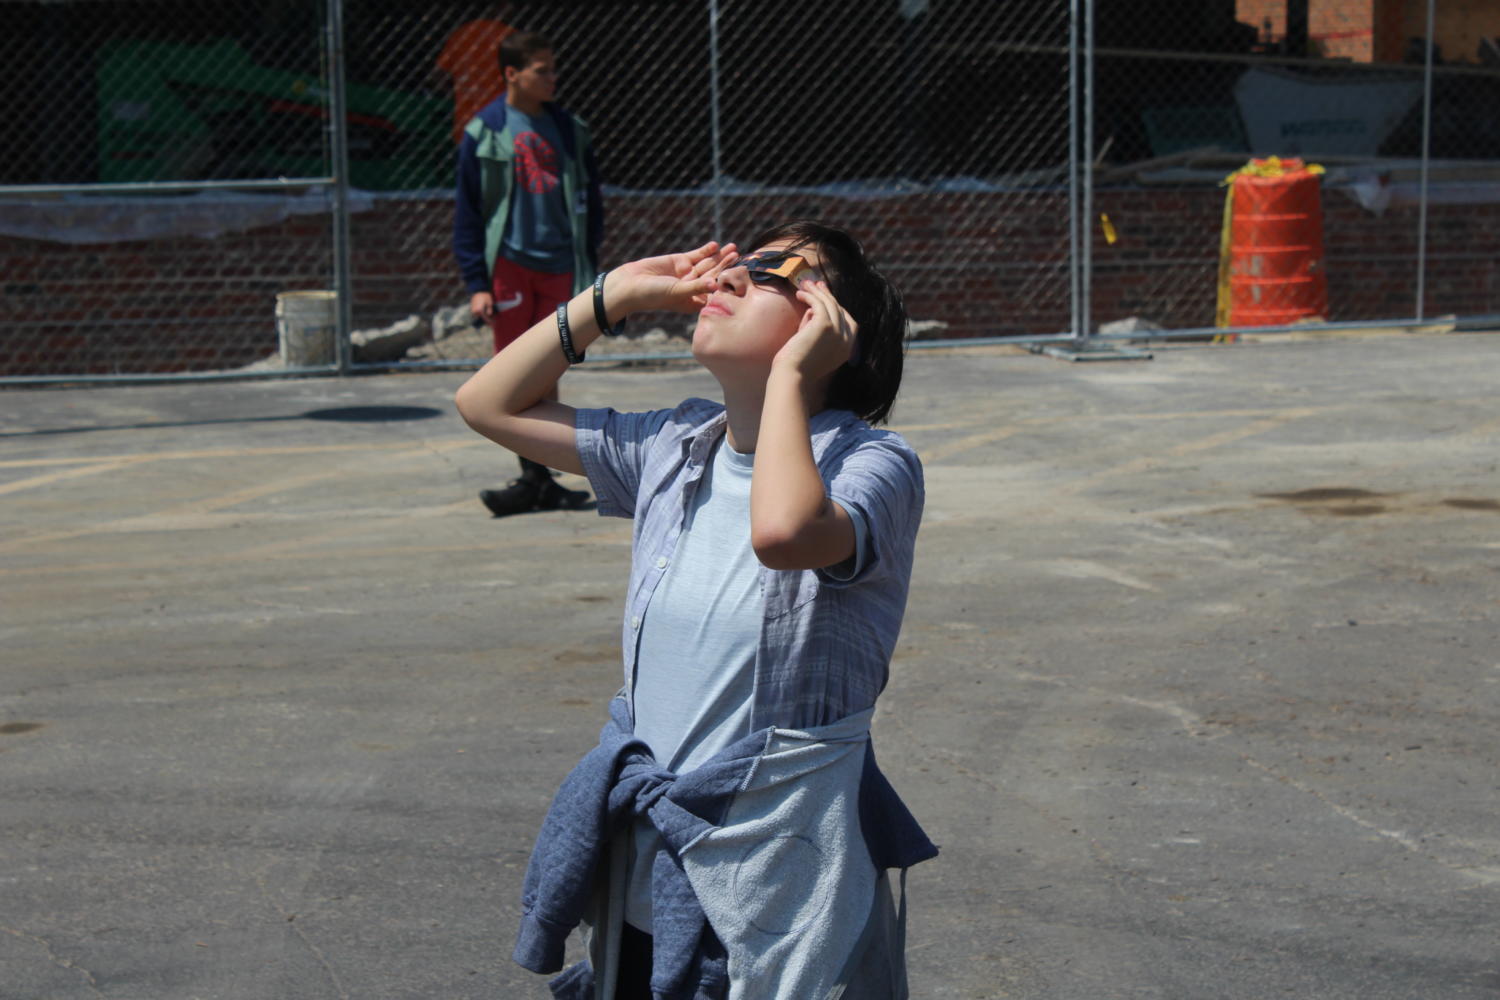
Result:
[{"x": 528, "y": 220}]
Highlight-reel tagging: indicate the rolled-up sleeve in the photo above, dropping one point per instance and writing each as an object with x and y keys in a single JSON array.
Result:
[
  {"x": 879, "y": 484},
  {"x": 612, "y": 447}
]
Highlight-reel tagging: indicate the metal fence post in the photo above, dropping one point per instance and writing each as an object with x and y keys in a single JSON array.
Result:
[
  {"x": 1086, "y": 230},
  {"x": 1426, "y": 163},
  {"x": 338, "y": 129},
  {"x": 1075, "y": 283},
  {"x": 713, "y": 121}
]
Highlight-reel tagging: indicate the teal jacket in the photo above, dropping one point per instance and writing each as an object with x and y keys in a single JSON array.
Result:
[{"x": 486, "y": 173}]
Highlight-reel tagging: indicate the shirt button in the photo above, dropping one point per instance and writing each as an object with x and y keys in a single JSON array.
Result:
[
  {"x": 635, "y": 622},
  {"x": 661, "y": 562}
]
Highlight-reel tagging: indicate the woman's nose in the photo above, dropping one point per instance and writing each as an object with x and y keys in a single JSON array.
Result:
[{"x": 736, "y": 279}]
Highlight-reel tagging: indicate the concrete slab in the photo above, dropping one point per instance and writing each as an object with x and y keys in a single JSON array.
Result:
[{"x": 1198, "y": 687}]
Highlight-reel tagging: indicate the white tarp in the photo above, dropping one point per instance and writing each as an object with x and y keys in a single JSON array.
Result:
[
  {"x": 83, "y": 219},
  {"x": 1291, "y": 115},
  {"x": 93, "y": 219},
  {"x": 1376, "y": 192}
]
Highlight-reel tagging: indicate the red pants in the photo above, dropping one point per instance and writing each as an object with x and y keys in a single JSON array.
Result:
[{"x": 523, "y": 298}]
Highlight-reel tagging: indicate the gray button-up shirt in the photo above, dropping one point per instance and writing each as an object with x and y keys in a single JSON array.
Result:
[{"x": 825, "y": 643}]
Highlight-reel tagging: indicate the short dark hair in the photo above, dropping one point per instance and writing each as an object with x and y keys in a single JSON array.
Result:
[
  {"x": 518, "y": 48},
  {"x": 869, "y": 386}
]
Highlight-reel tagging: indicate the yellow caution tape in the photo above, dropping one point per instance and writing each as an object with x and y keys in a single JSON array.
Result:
[
  {"x": 1274, "y": 166},
  {"x": 1221, "y": 313}
]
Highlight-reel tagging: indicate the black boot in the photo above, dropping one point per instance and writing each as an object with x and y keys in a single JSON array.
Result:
[
  {"x": 516, "y": 498},
  {"x": 535, "y": 473},
  {"x": 551, "y": 496},
  {"x": 554, "y": 496},
  {"x": 535, "y": 489}
]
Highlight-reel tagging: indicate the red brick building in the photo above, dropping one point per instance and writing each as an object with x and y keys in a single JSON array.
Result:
[{"x": 1373, "y": 30}]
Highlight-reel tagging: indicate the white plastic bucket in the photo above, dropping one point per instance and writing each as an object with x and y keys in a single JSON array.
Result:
[{"x": 305, "y": 325}]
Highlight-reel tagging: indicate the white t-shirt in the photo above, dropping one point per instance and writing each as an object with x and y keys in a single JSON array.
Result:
[{"x": 695, "y": 672}]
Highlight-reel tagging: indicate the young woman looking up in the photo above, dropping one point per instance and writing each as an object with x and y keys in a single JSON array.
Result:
[{"x": 732, "y": 826}]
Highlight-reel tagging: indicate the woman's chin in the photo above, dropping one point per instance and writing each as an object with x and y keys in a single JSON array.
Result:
[{"x": 702, "y": 343}]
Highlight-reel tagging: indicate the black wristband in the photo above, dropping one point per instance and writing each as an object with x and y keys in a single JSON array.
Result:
[
  {"x": 600, "y": 316},
  {"x": 565, "y": 335}
]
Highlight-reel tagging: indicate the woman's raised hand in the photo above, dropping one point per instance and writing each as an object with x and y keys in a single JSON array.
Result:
[
  {"x": 678, "y": 282},
  {"x": 827, "y": 337}
]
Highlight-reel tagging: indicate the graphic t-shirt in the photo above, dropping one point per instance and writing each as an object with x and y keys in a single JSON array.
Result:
[{"x": 539, "y": 231}]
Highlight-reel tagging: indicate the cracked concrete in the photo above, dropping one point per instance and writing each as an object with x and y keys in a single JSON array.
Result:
[
  {"x": 1197, "y": 690},
  {"x": 89, "y": 982}
]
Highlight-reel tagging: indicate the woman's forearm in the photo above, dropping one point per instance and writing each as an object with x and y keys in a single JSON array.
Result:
[
  {"x": 524, "y": 373},
  {"x": 508, "y": 399},
  {"x": 793, "y": 523}
]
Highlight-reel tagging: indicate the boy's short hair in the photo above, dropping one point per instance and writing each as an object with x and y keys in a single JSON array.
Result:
[
  {"x": 869, "y": 386},
  {"x": 518, "y": 48}
]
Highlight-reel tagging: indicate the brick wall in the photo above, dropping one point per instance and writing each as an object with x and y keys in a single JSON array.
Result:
[
  {"x": 173, "y": 304},
  {"x": 1340, "y": 29},
  {"x": 1378, "y": 30},
  {"x": 1343, "y": 29},
  {"x": 986, "y": 264},
  {"x": 1458, "y": 26}
]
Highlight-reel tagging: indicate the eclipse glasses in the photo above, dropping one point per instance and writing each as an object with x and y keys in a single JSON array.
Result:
[{"x": 769, "y": 267}]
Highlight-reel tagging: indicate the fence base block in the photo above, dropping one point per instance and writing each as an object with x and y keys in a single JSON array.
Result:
[{"x": 1090, "y": 351}]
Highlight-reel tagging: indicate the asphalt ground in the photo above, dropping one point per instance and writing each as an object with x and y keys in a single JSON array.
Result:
[{"x": 1197, "y": 689}]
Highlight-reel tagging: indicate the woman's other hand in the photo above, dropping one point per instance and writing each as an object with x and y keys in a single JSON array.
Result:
[
  {"x": 677, "y": 282},
  {"x": 827, "y": 338}
]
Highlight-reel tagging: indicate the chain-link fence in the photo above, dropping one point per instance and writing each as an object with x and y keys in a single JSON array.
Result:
[
  {"x": 716, "y": 120},
  {"x": 1397, "y": 103},
  {"x": 136, "y": 231},
  {"x": 1032, "y": 169}
]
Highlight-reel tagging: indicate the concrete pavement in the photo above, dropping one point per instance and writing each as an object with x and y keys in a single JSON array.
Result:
[{"x": 1198, "y": 687}]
